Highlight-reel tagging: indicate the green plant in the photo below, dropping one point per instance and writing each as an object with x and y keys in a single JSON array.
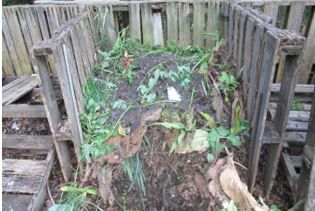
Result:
[
  {"x": 297, "y": 105},
  {"x": 182, "y": 75},
  {"x": 227, "y": 84},
  {"x": 133, "y": 167},
  {"x": 74, "y": 198},
  {"x": 220, "y": 137}
]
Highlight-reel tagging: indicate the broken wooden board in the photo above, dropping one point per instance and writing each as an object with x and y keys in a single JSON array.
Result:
[
  {"x": 27, "y": 142},
  {"x": 18, "y": 88},
  {"x": 23, "y": 111}
]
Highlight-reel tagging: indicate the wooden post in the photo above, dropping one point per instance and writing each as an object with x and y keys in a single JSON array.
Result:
[
  {"x": 199, "y": 24},
  {"x": 172, "y": 22},
  {"x": 146, "y": 20},
  {"x": 306, "y": 189},
  {"x": 184, "y": 25},
  {"x": 271, "y": 46},
  {"x": 53, "y": 114},
  {"x": 280, "y": 121},
  {"x": 134, "y": 17}
]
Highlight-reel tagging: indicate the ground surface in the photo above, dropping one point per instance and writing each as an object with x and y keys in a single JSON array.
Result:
[{"x": 170, "y": 181}]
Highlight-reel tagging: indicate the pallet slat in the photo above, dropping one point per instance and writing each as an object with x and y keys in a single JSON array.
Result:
[
  {"x": 134, "y": 17},
  {"x": 184, "y": 25},
  {"x": 27, "y": 142},
  {"x": 198, "y": 24},
  {"x": 23, "y": 111},
  {"x": 22, "y": 86},
  {"x": 24, "y": 167},
  {"x": 21, "y": 184},
  {"x": 146, "y": 20}
]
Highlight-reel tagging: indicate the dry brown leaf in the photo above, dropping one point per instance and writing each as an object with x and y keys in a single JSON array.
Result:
[
  {"x": 236, "y": 189},
  {"x": 217, "y": 104}
]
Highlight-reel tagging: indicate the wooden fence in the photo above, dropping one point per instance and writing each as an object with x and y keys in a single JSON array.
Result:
[
  {"x": 256, "y": 57},
  {"x": 24, "y": 26},
  {"x": 299, "y": 17},
  {"x": 70, "y": 53},
  {"x": 154, "y": 23}
]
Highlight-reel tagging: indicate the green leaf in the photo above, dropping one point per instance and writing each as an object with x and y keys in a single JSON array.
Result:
[
  {"x": 222, "y": 131},
  {"x": 209, "y": 119},
  {"x": 149, "y": 98},
  {"x": 274, "y": 208},
  {"x": 91, "y": 191},
  {"x": 210, "y": 157},
  {"x": 171, "y": 125},
  {"x": 235, "y": 140}
]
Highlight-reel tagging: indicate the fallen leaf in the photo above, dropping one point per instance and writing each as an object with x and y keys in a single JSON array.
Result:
[{"x": 121, "y": 130}]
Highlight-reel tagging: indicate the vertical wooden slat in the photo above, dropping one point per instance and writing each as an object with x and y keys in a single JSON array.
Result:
[
  {"x": 61, "y": 14},
  {"x": 158, "y": 38},
  {"x": 212, "y": 20},
  {"x": 108, "y": 24},
  {"x": 308, "y": 59},
  {"x": 271, "y": 46},
  {"x": 241, "y": 42},
  {"x": 172, "y": 22},
  {"x": 280, "y": 121},
  {"x": 73, "y": 71},
  {"x": 25, "y": 29},
  {"x": 231, "y": 29},
  {"x": 248, "y": 54},
  {"x": 59, "y": 59},
  {"x": 82, "y": 46},
  {"x": 53, "y": 22},
  {"x": 254, "y": 71},
  {"x": 294, "y": 24},
  {"x": 236, "y": 34},
  {"x": 199, "y": 24},
  {"x": 78, "y": 56},
  {"x": 146, "y": 19},
  {"x": 184, "y": 25},
  {"x": 18, "y": 39},
  {"x": 271, "y": 10},
  {"x": 11, "y": 47},
  {"x": 43, "y": 23},
  {"x": 306, "y": 189},
  {"x": 134, "y": 17},
  {"x": 226, "y": 22},
  {"x": 33, "y": 25},
  {"x": 93, "y": 18},
  {"x": 52, "y": 113},
  {"x": 7, "y": 66}
]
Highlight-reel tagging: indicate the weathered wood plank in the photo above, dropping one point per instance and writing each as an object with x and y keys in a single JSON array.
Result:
[
  {"x": 52, "y": 112},
  {"x": 198, "y": 24},
  {"x": 33, "y": 25},
  {"x": 25, "y": 29},
  {"x": 134, "y": 17},
  {"x": 11, "y": 46},
  {"x": 52, "y": 18},
  {"x": 158, "y": 38},
  {"x": 299, "y": 88},
  {"x": 271, "y": 10},
  {"x": 146, "y": 20},
  {"x": 281, "y": 119},
  {"x": 308, "y": 59},
  {"x": 82, "y": 46},
  {"x": 15, "y": 29},
  {"x": 290, "y": 171},
  {"x": 248, "y": 50},
  {"x": 73, "y": 71},
  {"x": 302, "y": 116},
  {"x": 172, "y": 22},
  {"x": 27, "y": 142},
  {"x": 24, "y": 167},
  {"x": 236, "y": 35},
  {"x": 271, "y": 46},
  {"x": 7, "y": 65},
  {"x": 231, "y": 29},
  {"x": 43, "y": 23},
  {"x": 255, "y": 70},
  {"x": 21, "y": 184},
  {"x": 23, "y": 111},
  {"x": 212, "y": 23},
  {"x": 78, "y": 57},
  {"x": 109, "y": 25},
  {"x": 14, "y": 93},
  {"x": 184, "y": 25},
  {"x": 66, "y": 84},
  {"x": 241, "y": 43},
  {"x": 16, "y": 201}
]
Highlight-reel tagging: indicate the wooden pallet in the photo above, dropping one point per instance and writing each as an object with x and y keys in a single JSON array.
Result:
[{"x": 24, "y": 178}]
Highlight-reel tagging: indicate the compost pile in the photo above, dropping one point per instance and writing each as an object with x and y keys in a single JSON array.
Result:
[{"x": 160, "y": 126}]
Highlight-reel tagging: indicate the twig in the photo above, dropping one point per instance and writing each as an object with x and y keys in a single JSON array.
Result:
[
  {"x": 49, "y": 194},
  {"x": 215, "y": 85}
]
